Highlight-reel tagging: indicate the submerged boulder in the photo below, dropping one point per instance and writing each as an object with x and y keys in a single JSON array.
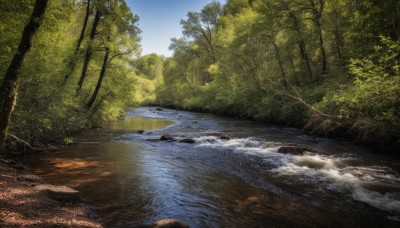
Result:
[
  {"x": 140, "y": 131},
  {"x": 219, "y": 135},
  {"x": 187, "y": 140},
  {"x": 169, "y": 223},
  {"x": 153, "y": 140},
  {"x": 295, "y": 150},
  {"x": 166, "y": 137},
  {"x": 224, "y": 137}
]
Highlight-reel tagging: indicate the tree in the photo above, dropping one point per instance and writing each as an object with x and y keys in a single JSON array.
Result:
[
  {"x": 316, "y": 9},
  {"x": 74, "y": 59},
  {"x": 11, "y": 79},
  {"x": 100, "y": 81},
  {"x": 203, "y": 26},
  {"x": 89, "y": 49},
  {"x": 118, "y": 38}
]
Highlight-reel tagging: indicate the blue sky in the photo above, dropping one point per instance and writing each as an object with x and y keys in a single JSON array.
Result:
[{"x": 159, "y": 21}]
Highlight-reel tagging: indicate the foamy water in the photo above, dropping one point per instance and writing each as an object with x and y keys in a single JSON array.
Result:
[{"x": 378, "y": 186}]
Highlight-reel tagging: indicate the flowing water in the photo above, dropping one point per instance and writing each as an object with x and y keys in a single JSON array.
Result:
[{"x": 240, "y": 181}]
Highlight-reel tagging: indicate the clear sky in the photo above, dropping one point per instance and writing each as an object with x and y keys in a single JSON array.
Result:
[{"x": 160, "y": 21}]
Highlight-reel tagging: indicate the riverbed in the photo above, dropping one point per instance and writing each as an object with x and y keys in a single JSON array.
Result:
[{"x": 232, "y": 176}]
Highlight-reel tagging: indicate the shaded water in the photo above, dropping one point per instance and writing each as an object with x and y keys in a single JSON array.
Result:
[{"x": 240, "y": 182}]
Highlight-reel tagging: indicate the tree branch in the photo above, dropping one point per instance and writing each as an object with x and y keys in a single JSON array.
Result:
[
  {"x": 20, "y": 140},
  {"x": 312, "y": 108}
]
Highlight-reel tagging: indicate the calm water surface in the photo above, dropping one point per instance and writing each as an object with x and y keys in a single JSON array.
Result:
[{"x": 240, "y": 182}]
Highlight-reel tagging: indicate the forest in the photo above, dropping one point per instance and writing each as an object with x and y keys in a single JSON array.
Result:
[
  {"x": 79, "y": 71},
  {"x": 331, "y": 67}
]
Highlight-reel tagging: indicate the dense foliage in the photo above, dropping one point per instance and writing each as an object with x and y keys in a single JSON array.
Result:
[
  {"x": 51, "y": 101},
  {"x": 332, "y": 66}
]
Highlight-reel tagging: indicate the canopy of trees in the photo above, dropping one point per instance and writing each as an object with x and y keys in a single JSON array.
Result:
[{"x": 332, "y": 66}]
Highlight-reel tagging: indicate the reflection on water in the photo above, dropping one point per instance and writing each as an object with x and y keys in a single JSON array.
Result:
[
  {"x": 140, "y": 123},
  {"x": 236, "y": 182}
]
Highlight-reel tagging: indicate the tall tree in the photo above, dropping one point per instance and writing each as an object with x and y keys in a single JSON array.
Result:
[
  {"x": 118, "y": 31},
  {"x": 203, "y": 26},
  {"x": 100, "y": 81},
  {"x": 89, "y": 49},
  {"x": 11, "y": 79},
  {"x": 316, "y": 9},
  {"x": 74, "y": 59}
]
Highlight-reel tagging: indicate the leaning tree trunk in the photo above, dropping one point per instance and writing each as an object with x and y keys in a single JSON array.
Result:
[
  {"x": 13, "y": 73},
  {"x": 74, "y": 59},
  {"x": 89, "y": 50},
  {"x": 78, "y": 45},
  {"x": 100, "y": 81}
]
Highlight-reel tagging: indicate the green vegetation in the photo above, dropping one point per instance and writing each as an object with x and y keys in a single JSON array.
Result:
[
  {"x": 56, "y": 94},
  {"x": 331, "y": 66}
]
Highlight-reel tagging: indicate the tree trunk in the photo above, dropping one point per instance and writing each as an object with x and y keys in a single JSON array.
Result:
[
  {"x": 278, "y": 56},
  {"x": 74, "y": 59},
  {"x": 317, "y": 13},
  {"x": 323, "y": 53},
  {"x": 78, "y": 45},
  {"x": 89, "y": 51},
  {"x": 97, "y": 106},
  {"x": 306, "y": 59},
  {"x": 13, "y": 74},
  {"x": 302, "y": 44},
  {"x": 100, "y": 81},
  {"x": 338, "y": 39},
  {"x": 295, "y": 76}
]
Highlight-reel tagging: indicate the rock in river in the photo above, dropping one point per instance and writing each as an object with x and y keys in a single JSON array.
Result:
[
  {"x": 188, "y": 140},
  {"x": 292, "y": 150},
  {"x": 169, "y": 223},
  {"x": 219, "y": 135},
  {"x": 166, "y": 137}
]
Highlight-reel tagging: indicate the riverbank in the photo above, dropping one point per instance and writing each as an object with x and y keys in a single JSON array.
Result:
[
  {"x": 243, "y": 180},
  {"x": 313, "y": 125},
  {"x": 25, "y": 201}
]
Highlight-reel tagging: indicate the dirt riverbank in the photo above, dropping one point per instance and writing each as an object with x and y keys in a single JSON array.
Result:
[{"x": 27, "y": 201}]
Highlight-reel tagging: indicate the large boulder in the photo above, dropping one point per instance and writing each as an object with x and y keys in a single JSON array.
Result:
[
  {"x": 169, "y": 223},
  {"x": 166, "y": 137},
  {"x": 60, "y": 193}
]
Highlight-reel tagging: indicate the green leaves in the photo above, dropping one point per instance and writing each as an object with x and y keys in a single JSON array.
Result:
[
  {"x": 48, "y": 107},
  {"x": 241, "y": 60}
]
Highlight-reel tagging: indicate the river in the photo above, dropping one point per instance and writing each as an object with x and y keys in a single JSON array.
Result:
[{"x": 132, "y": 180}]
